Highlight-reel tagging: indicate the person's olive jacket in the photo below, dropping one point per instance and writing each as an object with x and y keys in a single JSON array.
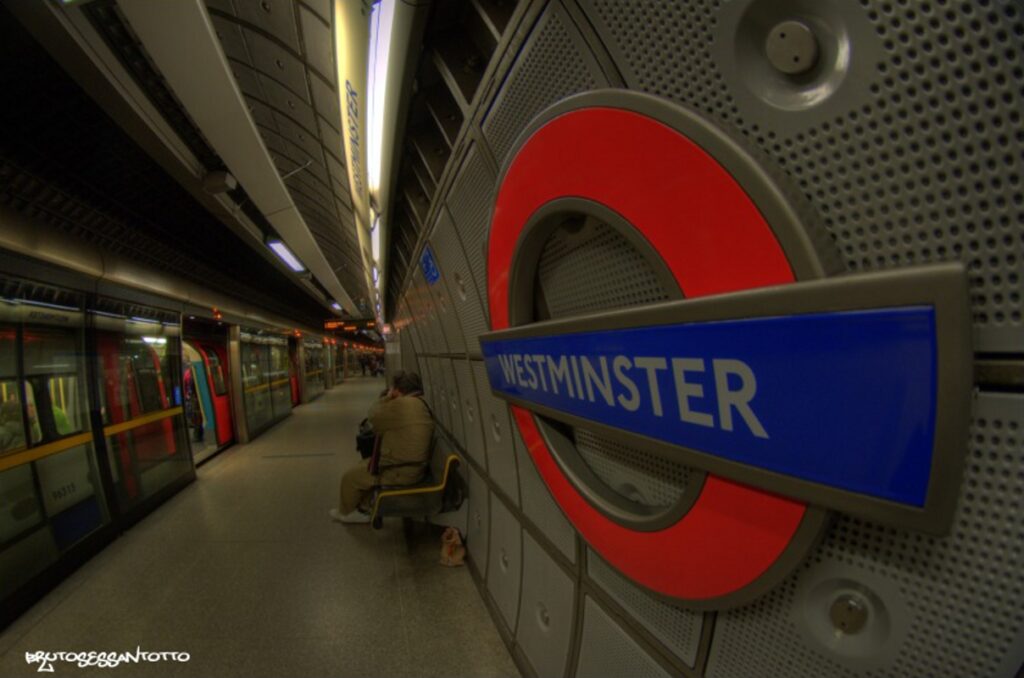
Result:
[{"x": 406, "y": 428}]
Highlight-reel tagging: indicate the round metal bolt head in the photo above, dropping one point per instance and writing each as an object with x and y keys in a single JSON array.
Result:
[
  {"x": 849, "y": 614},
  {"x": 792, "y": 48}
]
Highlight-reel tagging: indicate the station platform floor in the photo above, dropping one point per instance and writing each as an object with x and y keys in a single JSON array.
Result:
[{"x": 245, "y": 572}]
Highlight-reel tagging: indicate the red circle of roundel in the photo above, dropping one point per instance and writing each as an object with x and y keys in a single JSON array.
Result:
[{"x": 714, "y": 240}]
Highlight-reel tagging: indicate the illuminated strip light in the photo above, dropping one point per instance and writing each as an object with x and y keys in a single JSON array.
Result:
[
  {"x": 44, "y": 304},
  {"x": 375, "y": 239},
  {"x": 336, "y": 306},
  {"x": 381, "y": 21},
  {"x": 285, "y": 255}
]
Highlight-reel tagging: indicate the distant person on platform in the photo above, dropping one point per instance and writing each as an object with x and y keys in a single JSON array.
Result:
[
  {"x": 364, "y": 362},
  {"x": 402, "y": 420}
]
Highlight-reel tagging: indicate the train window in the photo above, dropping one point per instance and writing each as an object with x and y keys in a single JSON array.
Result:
[
  {"x": 140, "y": 393},
  {"x": 216, "y": 372},
  {"x": 280, "y": 384},
  {"x": 146, "y": 373},
  {"x": 256, "y": 387},
  {"x": 54, "y": 392},
  {"x": 12, "y": 424}
]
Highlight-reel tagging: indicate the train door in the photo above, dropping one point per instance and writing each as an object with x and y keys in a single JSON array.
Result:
[
  {"x": 198, "y": 403},
  {"x": 215, "y": 358}
]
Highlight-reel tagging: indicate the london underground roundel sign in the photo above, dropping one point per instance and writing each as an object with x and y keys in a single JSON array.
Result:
[{"x": 792, "y": 393}]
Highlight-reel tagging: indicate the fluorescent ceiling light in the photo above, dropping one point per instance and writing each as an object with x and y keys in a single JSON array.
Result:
[
  {"x": 375, "y": 239},
  {"x": 381, "y": 20},
  {"x": 336, "y": 306},
  {"x": 155, "y": 340},
  {"x": 285, "y": 255},
  {"x": 44, "y": 304},
  {"x": 376, "y": 275}
]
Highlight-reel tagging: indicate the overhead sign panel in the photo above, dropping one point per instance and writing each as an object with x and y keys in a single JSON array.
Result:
[{"x": 806, "y": 396}]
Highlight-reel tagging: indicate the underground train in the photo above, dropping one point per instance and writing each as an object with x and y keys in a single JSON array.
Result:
[{"x": 108, "y": 404}]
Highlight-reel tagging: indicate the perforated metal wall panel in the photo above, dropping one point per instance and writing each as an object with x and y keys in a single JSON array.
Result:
[
  {"x": 432, "y": 384},
  {"x": 455, "y": 425},
  {"x": 632, "y": 471},
  {"x": 678, "y": 629},
  {"x": 446, "y": 310},
  {"x": 554, "y": 63},
  {"x": 917, "y": 159},
  {"x": 506, "y": 561},
  {"x": 456, "y": 404},
  {"x": 413, "y": 328},
  {"x": 540, "y": 507},
  {"x": 433, "y": 335},
  {"x": 471, "y": 419},
  {"x": 606, "y": 650},
  {"x": 410, "y": 363},
  {"x": 546, "y": 611},
  {"x": 470, "y": 202},
  {"x": 438, "y": 393},
  {"x": 463, "y": 290},
  {"x": 936, "y": 606},
  {"x": 419, "y": 313},
  {"x": 497, "y": 434},
  {"x": 565, "y": 272},
  {"x": 479, "y": 526}
]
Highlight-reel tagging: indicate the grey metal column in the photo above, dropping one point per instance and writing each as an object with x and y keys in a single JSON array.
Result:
[
  {"x": 328, "y": 367},
  {"x": 235, "y": 389},
  {"x": 300, "y": 358}
]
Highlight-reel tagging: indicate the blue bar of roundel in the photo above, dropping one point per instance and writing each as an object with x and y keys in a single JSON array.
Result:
[{"x": 847, "y": 399}]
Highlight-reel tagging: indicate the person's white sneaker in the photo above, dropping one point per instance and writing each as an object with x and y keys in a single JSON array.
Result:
[{"x": 355, "y": 517}]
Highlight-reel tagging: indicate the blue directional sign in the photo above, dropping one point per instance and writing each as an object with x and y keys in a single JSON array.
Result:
[
  {"x": 429, "y": 266},
  {"x": 841, "y": 399}
]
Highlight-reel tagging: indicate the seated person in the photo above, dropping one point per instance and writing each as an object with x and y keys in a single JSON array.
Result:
[{"x": 402, "y": 420}]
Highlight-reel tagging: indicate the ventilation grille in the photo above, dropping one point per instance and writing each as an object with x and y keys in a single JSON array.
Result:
[
  {"x": 928, "y": 167},
  {"x": 566, "y": 272},
  {"x": 567, "y": 286},
  {"x": 640, "y": 476},
  {"x": 678, "y": 629},
  {"x": 470, "y": 205},
  {"x": 606, "y": 650},
  {"x": 553, "y": 66}
]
